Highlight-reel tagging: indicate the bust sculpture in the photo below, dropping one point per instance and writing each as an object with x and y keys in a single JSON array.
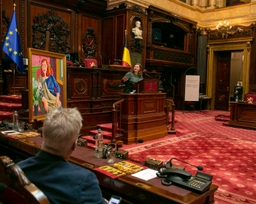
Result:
[{"x": 137, "y": 30}]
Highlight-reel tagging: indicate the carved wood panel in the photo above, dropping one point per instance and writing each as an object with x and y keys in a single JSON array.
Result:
[
  {"x": 49, "y": 23},
  {"x": 79, "y": 84},
  {"x": 90, "y": 40}
]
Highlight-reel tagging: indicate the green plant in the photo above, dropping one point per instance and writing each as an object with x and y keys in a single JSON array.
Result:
[{"x": 36, "y": 94}]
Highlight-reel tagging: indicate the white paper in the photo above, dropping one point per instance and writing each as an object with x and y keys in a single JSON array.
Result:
[
  {"x": 9, "y": 132},
  {"x": 146, "y": 174},
  {"x": 192, "y": 88}
]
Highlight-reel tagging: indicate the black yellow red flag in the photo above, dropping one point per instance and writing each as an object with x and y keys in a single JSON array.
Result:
[{"x": 126, "y": 60}]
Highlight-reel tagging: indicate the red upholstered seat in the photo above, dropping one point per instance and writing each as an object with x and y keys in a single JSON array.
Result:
[
  {"x": 250, "y": 95},
  {"x": 89, "y": 63}
]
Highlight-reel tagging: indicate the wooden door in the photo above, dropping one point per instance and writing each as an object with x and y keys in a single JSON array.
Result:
[{"x": 222, "y": 80}]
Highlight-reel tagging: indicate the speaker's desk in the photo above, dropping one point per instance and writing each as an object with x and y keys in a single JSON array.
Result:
[
  {"x": 143, "y": 117},
  {"x": 242, "y": 115},
  {"x": 133, "y": 190}
]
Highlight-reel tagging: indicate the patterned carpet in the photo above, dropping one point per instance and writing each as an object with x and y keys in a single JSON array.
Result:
[{"x": 229, "y": 154}]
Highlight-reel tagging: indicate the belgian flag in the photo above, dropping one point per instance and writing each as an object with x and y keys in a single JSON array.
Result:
[{"x": 126, "y": 61}]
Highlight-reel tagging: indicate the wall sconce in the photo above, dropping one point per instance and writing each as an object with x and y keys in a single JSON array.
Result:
[{"x": 225, "y": 29}]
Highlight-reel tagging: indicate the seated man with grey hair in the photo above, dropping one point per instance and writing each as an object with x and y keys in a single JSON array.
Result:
[{"x": 61, "y": 181}]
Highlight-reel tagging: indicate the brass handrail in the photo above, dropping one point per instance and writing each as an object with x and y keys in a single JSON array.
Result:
[
  {"x": 117, "y": 103},
  {"x": 172, "y": 129},
  {"x": 116, "y": 121}
]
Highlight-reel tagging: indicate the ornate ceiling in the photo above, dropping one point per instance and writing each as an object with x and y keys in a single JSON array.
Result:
[{"x": 206, "y": 17}]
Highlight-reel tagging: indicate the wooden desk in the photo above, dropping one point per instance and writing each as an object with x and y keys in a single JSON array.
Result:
[
  {"x": 242, "y": 115},
  {"x": 133, "y": 190}
]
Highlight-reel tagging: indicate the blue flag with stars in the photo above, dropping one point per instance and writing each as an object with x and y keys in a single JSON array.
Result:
[{"x": 11, "y": 45}]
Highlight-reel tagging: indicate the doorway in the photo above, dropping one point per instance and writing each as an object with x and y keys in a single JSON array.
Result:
[
  {"x": 228, "y": 72},
  {"x": 236, "y": 70},
  {"x": 238, "y": 49}
]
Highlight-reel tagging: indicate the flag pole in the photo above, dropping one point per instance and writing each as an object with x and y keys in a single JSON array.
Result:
[
  {"x": 14, "y": 76},
  {"x": 1, "y": 59},
  {"x": 126, "y": 60},
  {"x": 14, "y": 67}
]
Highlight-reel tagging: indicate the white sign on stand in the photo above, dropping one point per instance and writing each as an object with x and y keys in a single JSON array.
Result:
[{"x": 192, "y": 88}]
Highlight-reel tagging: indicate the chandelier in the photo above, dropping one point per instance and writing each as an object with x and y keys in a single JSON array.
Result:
[{"x": 225, "y": 29}]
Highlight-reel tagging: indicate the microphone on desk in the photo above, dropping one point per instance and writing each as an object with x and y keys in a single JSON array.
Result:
[
  {"x": 168, "y": 164},
  {"x": 148, "y": 75}
]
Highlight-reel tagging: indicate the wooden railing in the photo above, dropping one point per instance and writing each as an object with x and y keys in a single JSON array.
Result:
[
  {"x": 116, "y": 121},
  {"x": 170, "y": 103}
]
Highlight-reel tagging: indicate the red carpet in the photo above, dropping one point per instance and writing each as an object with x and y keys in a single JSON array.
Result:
[{"x": 229, "y": 154}]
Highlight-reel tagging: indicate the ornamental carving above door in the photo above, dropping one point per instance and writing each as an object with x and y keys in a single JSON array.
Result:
[{"x": 58, "y": 30}]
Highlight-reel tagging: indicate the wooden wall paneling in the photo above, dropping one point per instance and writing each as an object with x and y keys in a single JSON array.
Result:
[
  {"x": 137, "y": 47},
  {"x": 108, "y": 41},
  {"x": 84, "y": 106},
  {"x": 90, "y": 120},
  {"x": 95, "y": 23},
  {"x": 36, "y": 9},
  {"x": 96, "y": 85},
  {"x": 75, "y": 30},
  {"x": 86, "y": 93},
  {"x": 79, "y": 84},
  {"x": 90, "y": 6},
  {"x": 20, "y": 82},
  {"x": 164, "y": 55},
  {"x": 120, "y": 27},
  {"x": 110, "y": 81},
  {"x": 114, "y": 26},
  {"x": 22, "y": 25},
  {"x": 252, "y": 47}
]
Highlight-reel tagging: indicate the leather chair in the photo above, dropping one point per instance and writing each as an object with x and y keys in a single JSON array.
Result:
[{"x": 15, "y": 187}]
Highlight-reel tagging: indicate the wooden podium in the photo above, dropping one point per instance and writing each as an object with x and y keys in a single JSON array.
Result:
[
  {"x": 148, "y": 85},
  {"x": 143, "y": 115}
]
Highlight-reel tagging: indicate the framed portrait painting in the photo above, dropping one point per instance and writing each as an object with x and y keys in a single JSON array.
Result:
[{"x": 47, "y": 82}]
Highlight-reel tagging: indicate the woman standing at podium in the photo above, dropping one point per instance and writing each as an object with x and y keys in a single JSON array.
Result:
[{"x": 134, "y": 76}]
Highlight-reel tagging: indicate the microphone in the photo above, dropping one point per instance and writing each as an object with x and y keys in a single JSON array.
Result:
[
  {"x": 148, "y": 75},
  {"x": 168, "y": 164},
  {"x": 80, "y": 58}
]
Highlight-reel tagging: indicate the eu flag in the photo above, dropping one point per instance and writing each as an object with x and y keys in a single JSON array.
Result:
[{"x": 11, "y": 45}]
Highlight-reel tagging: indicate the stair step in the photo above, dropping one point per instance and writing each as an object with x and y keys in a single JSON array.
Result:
[
  {"x": 106, "y": 127},
  {"x": 8, "y": 104},
  {"x": 91, "y": 145},
  {"x": 6, "y": 115},
  {"x": 91, "y": 141},
  {"x": 106, "y": 134},
  {"x": 11, "y": 98},
  {"x": 9, "y": 107}
]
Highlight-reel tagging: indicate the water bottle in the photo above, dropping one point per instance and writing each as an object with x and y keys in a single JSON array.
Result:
[
  {"x": 98, "y": 144},
  {"x": 236, "y": 98},
  {"x": 15, "y": 120}
]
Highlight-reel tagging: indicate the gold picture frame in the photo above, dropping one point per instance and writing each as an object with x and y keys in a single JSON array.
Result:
[{"x": 47, "y": 91}]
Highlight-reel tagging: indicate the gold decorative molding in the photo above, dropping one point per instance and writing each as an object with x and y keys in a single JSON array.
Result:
[{"x": 248, "y": 46}]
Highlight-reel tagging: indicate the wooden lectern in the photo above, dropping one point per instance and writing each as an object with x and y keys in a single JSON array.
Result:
[
  {"x": 147, "y": 85},
  {"x": 143, "y": 114}
]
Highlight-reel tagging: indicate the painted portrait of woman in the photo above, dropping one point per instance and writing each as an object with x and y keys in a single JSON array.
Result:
[{"x": 48, "y": 87}]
